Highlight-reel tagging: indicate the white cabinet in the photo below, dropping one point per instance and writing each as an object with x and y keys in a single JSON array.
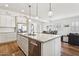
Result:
[
  {"x": 23, "y": 43},
  {"x": 7, "y": 21},
  {"x": 57, "y": 47},
  {"x": 51, "y": 48},
  {"x": 7, "y": 29},
  {"x": 7, "y": 37}
]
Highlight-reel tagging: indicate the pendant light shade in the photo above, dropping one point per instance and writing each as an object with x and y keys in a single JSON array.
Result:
[
  {"x": 50, "y": 13},
  {"x": 36, "y": 17},
  {"x": 37, "y": 12}
]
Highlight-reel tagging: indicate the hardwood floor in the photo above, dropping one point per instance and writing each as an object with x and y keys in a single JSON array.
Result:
[
  {"x": 12, "y": 49},
  {"x": 69, "y": 50}
]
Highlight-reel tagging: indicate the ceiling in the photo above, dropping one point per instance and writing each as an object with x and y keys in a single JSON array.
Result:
[{"x": 60, "y": 10}]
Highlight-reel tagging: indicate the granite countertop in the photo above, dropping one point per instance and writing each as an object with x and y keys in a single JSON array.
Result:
[{"x": 40, "y": 37}]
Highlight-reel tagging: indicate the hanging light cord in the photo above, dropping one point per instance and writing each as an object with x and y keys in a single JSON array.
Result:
[
  {"x": 50, "y": 7},
  {"x": 29, "y": 11},
  {"x": 37, "y": 9}
]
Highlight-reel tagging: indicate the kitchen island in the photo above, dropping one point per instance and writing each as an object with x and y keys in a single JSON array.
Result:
[{"x": 40, "y": 44}]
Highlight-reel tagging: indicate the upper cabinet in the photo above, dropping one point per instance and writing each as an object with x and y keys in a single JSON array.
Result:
[{"x": 7, "y": 21}]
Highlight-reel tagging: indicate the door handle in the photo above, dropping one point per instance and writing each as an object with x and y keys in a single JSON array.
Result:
[{"x": 34, "y": 43}]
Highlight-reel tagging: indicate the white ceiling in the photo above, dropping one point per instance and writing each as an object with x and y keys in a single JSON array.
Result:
[{"x": 60, "y": 10}]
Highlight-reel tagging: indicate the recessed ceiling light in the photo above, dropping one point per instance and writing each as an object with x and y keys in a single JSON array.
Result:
[
  {"x": 22, "y": 10},
  {"x": 6, "y": 5}
]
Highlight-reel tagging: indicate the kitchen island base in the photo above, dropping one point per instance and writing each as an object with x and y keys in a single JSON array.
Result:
[{"x": 33, "y": 47}]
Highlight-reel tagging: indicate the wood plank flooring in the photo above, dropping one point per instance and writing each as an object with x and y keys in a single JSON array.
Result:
[
  {"x": 69, "y": 50},
  {"x": 12, "y": 49}
]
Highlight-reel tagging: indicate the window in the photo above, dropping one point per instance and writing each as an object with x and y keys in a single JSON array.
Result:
[{"x": 22, "y": 28}]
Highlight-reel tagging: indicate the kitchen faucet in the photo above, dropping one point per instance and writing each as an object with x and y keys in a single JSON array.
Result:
[{"x": 32, "y": 29}]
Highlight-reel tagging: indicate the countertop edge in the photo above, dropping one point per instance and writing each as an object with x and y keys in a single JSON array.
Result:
[{"x": 39, "y": 40}]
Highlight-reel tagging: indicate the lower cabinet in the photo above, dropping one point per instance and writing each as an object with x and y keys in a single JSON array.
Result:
[
  {"x": 7, "y": 37},
  {"x": 23, "y": 43},
  {"x": 34, "y": 48}
]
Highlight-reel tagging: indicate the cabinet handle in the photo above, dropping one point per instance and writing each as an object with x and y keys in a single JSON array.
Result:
[{"x": 34, "y": 43}]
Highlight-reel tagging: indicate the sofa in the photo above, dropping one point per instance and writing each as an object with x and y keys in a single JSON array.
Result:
[{"x": 73, "y": 38}]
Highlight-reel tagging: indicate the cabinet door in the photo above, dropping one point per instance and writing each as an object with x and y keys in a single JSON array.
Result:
[
  {"x": 34, "y": 48},
  {"x": 2, "y": 20},
  {"x": 23, "y": 43},
  {"x": 7, "y": 21},
  {"x": 57, "y": 47},
  {"x": 19, "y": 40},
  {"x": 7, "y": 37}
]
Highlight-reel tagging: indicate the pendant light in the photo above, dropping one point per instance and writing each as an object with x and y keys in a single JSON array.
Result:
[
  {"x": 29, "y": 12},
  {"x": 37, "y": 12},
  {"x": 50, "y": 10}
]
